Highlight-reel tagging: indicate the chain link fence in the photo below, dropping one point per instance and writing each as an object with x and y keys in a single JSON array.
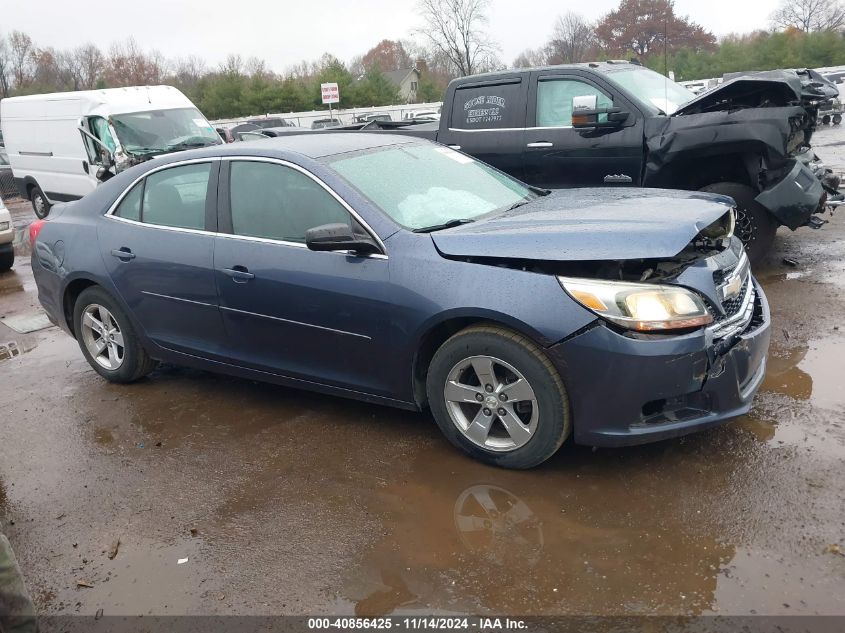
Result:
[{"x": 8, "y": 189}]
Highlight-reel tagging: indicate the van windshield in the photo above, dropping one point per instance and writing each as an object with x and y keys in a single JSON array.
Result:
[{"x": 163, "y": 130}]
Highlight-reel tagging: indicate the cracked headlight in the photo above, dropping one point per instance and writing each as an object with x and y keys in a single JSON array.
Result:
[{"x": 641, "y": 307}]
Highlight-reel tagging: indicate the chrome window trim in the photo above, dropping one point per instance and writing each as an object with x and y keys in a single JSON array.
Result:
[
  {"x": 511, "y": 129},
  {"x": 248, "y": 238}
]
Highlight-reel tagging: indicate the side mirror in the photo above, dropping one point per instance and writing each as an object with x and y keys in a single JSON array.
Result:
[
  {"x": 339, "y": 237},
  {"x": 586, "y": 113}
]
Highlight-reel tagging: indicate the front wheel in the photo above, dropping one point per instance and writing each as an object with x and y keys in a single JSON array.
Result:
[
  {"x": 496, "y": 396},
  {"x": 826, "y": 119},
  {"x": 40, "y": 204},
  {"x": 837, "y": 119},
  {"x": 107, "y": 339},
  {"x": 7, "y": 259},
  {"x": 755, "y": 226}
]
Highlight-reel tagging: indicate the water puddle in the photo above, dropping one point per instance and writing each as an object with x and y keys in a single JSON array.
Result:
[
  {"x": 12, "y": 349},
  {"x": 809, "y": 372}
]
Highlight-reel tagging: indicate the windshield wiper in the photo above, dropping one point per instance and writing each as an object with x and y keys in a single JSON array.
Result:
[
  {"x": 516, "y": 205},
  {"x": 191, "y": 145},
  {"x": 445, "y": 225}
]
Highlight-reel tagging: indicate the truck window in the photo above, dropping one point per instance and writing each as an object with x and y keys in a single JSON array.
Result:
[
  {"x": 554, "y": 101},
  {"x": 100, "y": 128},
  {"x": 493, "y": 106}
]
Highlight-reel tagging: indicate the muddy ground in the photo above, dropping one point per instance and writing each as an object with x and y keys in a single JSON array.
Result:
[{"x": 285, "y": 502}]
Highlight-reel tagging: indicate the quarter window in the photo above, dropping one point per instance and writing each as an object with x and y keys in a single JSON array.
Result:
[
  {"x": 277, "y": 202},
  {"x": 176, "y": 196},
  {"x": 130, "y": 206},
  {"x": 554, "y": 101}
]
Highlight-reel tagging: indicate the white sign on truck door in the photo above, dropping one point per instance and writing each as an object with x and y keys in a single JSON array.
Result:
[{"x": 330, "y": 93}]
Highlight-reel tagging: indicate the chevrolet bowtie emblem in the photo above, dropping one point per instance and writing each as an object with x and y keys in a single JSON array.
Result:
[{"x": 732, "y": 287}]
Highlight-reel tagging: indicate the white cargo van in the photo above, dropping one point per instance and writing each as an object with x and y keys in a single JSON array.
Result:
[{"x": 62, "y": 145}]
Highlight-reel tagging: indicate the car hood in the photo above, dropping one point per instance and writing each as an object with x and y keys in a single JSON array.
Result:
[{"x": 588, "y": 225}]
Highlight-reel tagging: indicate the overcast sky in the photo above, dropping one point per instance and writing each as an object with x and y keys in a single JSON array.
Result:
[{"x": 284, "y": 32}]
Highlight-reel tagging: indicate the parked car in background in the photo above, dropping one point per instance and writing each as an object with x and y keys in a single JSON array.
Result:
[
  {"x": 618, "y": 124},
  {"x": 372, "y": 116},
  {"x": 7, "y": 237},
  {"x": 318, "y": 261},
  {"x": 422, "y": 115},
  {"x": 266, "y": 122},
  {"x": 320, "y": 124},
  {"x": 225, "y": 134},
  {"x": 269, "y": 132},
  {"x": 61, "y": 146}
]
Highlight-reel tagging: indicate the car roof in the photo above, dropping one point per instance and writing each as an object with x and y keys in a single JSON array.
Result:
[
  {"x": 602, "y": 67},
  {"x": 307, "y": 143}
]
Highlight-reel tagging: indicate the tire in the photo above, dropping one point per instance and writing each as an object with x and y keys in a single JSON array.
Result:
[
  {"x": 826, "y": 119},
  {"x": 755, "y": 226},
  {"x": 40, "y": 204},
  {"x": 7, "y": 259},
  {"x": 837, "y": 119},
  {"x": 544, "y": 419},
  {"x": 134, "y": 362}
]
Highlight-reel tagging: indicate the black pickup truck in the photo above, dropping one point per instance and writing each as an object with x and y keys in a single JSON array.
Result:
[{"x": 620, "y": 124}]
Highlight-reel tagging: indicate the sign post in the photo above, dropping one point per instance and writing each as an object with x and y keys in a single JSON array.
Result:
[{"x": 330, "y": 94}]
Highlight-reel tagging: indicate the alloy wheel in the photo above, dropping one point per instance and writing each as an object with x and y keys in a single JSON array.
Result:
[
  {"x": 102, "y": 337},
  {"x": 491, "y": 403}
]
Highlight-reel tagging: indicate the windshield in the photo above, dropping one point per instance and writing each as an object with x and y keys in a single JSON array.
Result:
[
  {"x": 422, "y": 186},
  {"x": 651, "y": 87},
  {"x": 163, "y": 130}
]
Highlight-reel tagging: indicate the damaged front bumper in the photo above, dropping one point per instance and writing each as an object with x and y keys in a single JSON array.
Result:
[
  {"x": 651, "y": 388},
  {"x": 797, "y": 196}
]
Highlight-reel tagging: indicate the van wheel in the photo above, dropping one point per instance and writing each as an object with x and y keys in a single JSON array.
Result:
[
  {"x": 107, "y": 338},
  {"x": 755, "y": 226},
  {"x": 40, "y": 204},
  {"x": 496, "y": 396}
]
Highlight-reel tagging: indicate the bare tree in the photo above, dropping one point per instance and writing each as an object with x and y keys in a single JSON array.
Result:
[
  {"x": 532, "y": 57},
  {"x": 572, "y": 40},
  {"x": 187, "y": 71},
  {"x": 21, "y": 49},
  {"x": 5, "y": 67},
  {"x": 456, "y": 29},
  {"x": 91, "y": 63},
  {"x": 810, "y": 15}
]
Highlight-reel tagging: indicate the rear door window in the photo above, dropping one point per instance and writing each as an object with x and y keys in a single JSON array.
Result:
[
  {"x": 491, "y": 106},
  {"x": 176, "y": 197}
]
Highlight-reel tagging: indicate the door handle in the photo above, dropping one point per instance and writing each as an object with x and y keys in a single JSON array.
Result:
[
  {"x": 540, "y": 144},
  {"x": 123, "y": 254},
  {"x": 239, "y": 274}
]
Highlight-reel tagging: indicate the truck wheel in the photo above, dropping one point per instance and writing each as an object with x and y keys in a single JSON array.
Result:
[
  {"x": 837, "y": 119},
  {"x": 39, "y": 202},
  {"x": 496, "y": 396},
  {"x": 755, "y": 226},
  {"x": 826, "y": 119}
]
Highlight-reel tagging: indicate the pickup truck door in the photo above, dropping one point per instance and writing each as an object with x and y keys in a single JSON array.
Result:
[
  {"x": 557, "y": 155},
  {"x": 487, "y": 121}
]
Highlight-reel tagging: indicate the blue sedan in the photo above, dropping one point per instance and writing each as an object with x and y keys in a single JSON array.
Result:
[{"x": 401, "y": 272}]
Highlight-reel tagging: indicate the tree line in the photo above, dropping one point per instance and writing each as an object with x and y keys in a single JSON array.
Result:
[{"x": 452, "y": 41}]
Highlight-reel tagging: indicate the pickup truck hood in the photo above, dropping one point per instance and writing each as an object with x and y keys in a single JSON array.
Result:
[
  {"x": 588, "y": 225},
  {"x": 772, "y": 88}
]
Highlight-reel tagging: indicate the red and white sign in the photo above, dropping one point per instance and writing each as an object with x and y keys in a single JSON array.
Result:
[{"x": 330, "y": 93}]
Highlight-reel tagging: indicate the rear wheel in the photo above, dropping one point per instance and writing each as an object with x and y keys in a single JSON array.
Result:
[
  {"x": 826, "y": 119},
  {"x": 837, "y": 119},
  {"x": 40, "y": 204},
  {"x": 495, "y": 395},
  {"x": 755, "y": 226},
  {"x": 107, "y": 338}
]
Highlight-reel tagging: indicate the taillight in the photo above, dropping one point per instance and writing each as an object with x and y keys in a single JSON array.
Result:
[{"x": 35, "y": 229}]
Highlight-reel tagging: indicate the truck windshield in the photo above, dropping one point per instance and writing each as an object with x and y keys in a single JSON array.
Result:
[
  {"x": 163, "y": 130},
  {"x": 653, "y": 88},
  {"x": 424, "y": 186}
]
